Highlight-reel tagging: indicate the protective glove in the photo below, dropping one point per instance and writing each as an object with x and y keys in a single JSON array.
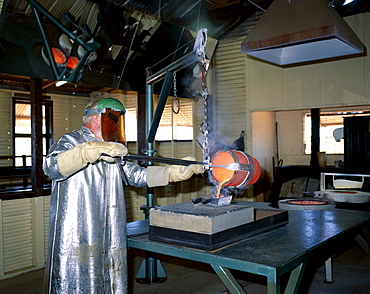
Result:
[
  {"x": 162, "y": 175},
  {"x": 78, "y": 157}
]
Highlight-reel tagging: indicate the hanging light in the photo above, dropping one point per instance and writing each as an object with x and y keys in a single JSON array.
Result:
[{"x": 295, "y": 31}]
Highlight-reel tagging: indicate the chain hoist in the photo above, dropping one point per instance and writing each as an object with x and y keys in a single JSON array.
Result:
[
  {"x": 205, "y": 127},
  {"x": 175, "y": 98}
]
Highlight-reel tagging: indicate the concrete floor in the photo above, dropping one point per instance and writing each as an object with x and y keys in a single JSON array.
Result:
[{"x": 351, "y": 274}]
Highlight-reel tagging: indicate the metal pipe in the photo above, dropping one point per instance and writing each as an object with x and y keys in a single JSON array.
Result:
[
  {"x": 184, "y": 61},
  {"x": 150, "y": 150},
  {"x": 149, "y": 116},
  {"x": 148, "y": 273}
]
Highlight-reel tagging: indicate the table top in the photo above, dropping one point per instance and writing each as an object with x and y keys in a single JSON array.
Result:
[{"x": 282, "y": 249}]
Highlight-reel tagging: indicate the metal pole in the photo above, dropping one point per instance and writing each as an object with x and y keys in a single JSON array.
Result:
[
  {"x": 150, "y": 150},
  {"x": 151, "y": 270},
  {"x": 149, "y": 116}
]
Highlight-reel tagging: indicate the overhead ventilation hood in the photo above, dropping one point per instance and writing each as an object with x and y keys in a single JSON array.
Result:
[{"x": 296, "y": 31}]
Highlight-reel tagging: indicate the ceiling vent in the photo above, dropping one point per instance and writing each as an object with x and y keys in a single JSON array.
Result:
[{"x": 295, "y": 31}]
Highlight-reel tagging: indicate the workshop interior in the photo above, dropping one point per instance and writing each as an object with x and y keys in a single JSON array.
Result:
[{"x": 271, "y": 97}]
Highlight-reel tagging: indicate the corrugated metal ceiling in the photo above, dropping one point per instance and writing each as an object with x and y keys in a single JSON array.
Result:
[{"x": 219, "y": 16}]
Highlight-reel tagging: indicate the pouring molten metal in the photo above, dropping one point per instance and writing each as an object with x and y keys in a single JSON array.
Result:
[{"x": 234, "y": 178}]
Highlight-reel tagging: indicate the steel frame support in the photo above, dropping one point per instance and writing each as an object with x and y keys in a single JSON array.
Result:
[
  {"x": 197, "y": 55},
  {"x": 228, "y": 279},
  {"x": 160, "y": 106},
  {"x": 192, "y": 57},
  {"x": 273, "y": 282},
  {"x": 294, "y": 279},
  {"x": 151, "y": 270},
  {"x": 36, "y": 8},
  {"x": 363, "y": 243}
]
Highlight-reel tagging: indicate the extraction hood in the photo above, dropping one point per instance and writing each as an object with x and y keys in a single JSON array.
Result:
[{"x": 295, "y": 31}]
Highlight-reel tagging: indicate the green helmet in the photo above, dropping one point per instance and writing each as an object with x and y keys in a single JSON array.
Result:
[{"x": 105, "y": 103}]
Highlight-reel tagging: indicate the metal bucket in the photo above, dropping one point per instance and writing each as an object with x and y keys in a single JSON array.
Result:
[{"x": 237, "y": 179}]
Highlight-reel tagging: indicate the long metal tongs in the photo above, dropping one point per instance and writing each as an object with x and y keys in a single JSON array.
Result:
[
  {"x": 234, "y": 166},
  {"x": 231, "y": 166}
]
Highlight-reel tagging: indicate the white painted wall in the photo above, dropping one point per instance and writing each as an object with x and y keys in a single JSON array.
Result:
[
  {"x": 263, "y": 141},
  {"x": 288, "y": 91}
]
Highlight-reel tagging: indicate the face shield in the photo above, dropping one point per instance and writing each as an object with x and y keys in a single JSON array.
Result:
[
  {"x": 112, "y": 115},
  {"x": 113, "y": 126}
]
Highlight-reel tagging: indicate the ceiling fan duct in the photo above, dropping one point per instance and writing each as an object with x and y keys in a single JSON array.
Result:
[{"x": 296, "y": 31}]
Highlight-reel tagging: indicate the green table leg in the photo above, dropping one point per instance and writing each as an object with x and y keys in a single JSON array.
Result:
[
  {"x": 273, "y": 283},
  {"x": 295, "y": 279},
  {"x": 363, "y": 243},
  {"x": 228, "y": 279},
  {"x": 151, "y": 270}
]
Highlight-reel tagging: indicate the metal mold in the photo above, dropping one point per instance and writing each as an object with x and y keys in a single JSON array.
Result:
[{"x": 263, "y": 220}]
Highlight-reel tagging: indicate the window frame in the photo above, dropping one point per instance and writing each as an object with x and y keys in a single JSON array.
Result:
[
  {"x": 25, "y": 171},
  {"x": 48, "y": 135}
]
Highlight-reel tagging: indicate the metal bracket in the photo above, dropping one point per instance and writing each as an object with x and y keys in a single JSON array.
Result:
[
  {"x": 295, "y": 279},
  {"x": 228, "y": 279},
  {"x": 197, "y": 55}
]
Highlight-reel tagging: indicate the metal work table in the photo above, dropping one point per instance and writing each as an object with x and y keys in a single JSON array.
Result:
[{"x": 271, "y": 254}]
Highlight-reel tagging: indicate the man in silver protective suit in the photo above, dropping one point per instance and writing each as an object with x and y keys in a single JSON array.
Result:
[{"x": 87, "y": 234}]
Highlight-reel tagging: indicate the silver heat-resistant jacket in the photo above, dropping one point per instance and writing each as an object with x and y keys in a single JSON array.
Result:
[{"x": 87, "y": 233}]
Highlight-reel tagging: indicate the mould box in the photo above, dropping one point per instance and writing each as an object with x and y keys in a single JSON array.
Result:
[{"x": 207, "y": 227}]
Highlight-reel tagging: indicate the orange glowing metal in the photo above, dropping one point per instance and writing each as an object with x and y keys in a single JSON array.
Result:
[
  {"x": 73, "y": 61},
  {"x": 307, "y": 202},
  {"x": 220, "y": 187},
  {"x": 222, "y": 174},
  {"x": 234, "y": 178},
  {"x": 59, "y": 56}
]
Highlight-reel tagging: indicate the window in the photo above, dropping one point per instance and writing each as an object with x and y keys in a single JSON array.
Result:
[
  {"x": 22, "y": 129},
  {"x": 329, "y": 121},
  {"x": 176, "y": 126},
  {"x": 171, "y": 127},
  {"x": 15, "y": 176}
]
